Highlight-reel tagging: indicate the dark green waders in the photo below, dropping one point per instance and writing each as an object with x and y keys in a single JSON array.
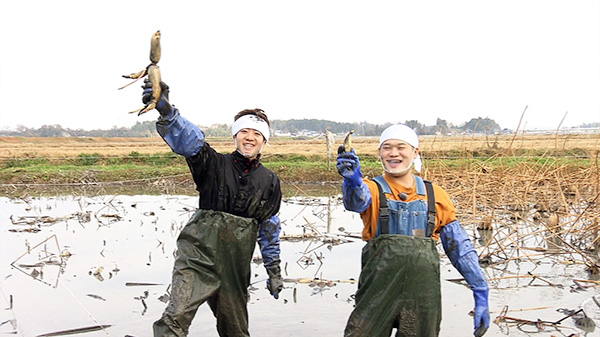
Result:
[
  {"x": 213, "y": 264},
  {"x": 399, "y": 287}
]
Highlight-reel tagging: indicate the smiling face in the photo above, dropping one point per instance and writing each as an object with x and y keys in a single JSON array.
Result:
[
  {"x": 249, "y": 142},
  {"x": 397, "y": 157}
]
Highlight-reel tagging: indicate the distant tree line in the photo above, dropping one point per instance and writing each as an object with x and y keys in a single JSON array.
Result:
[
  {"x": 294, "y": 126},
  {"x": 140, "y": 129},
  {"x": 484, "y": 125}
]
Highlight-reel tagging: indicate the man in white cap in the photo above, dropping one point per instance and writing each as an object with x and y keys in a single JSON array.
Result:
[
  {"x": 239, "y": 202},
  {"x": 403, "y": 216}
]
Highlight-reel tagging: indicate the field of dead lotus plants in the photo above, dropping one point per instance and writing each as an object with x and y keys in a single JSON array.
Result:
[{"x": 88, "y": 228}]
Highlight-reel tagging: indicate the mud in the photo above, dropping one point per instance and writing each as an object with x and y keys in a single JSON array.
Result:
[{"x": 101, "y": 265}]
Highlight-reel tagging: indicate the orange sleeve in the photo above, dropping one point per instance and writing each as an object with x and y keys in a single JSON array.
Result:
[
  {"x": 371, "y": 215},
  {"x": 445, "y": 212}
]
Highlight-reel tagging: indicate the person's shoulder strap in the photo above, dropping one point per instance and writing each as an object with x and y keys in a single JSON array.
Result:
[
  {"x": 430, "y": 207},
  {"x": 384, "y": 185},
  {"x": 384, "y": 212}
]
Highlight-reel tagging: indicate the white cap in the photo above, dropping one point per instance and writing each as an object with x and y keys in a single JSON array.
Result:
[
  {"x": 251, "y": 122},
  {"x": 404, "y": 133}
]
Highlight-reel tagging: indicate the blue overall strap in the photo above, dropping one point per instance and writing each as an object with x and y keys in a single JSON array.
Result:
[
  {"x": 384, "y": 212},
  {"x": 431, "y": 207}
]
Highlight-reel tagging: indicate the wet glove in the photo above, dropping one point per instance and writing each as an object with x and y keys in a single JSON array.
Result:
[
  {"x": 163, "y": 106},
  {"x": 482, "y": 312},
  {"x": 348, "y": 165},
  {"x": 274, "y": 283},
  {"x": 461, "y": 253}
]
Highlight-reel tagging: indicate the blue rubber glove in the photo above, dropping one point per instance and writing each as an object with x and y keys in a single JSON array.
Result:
[
  {"x": 184, "y": 137},
  {"x": 268, "y": 241},
  {"x": 348, "y": 165},
  {"x": 163, "y": 106},
  {"x": 482, "y": 312},
  {"x": 461, "y": 253}
]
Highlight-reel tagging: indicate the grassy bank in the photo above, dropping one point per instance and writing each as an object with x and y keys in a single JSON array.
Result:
[{"x": 94, "y": 167}]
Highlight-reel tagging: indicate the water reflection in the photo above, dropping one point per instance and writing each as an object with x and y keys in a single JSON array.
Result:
[
  {"x": 76, "y": 261},
  {"x": 44, "y": 262},
  {"x": 111, "y": 256}
]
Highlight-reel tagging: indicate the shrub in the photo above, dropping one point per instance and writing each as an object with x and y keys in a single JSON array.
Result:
[{"x": 86, "y": 159}]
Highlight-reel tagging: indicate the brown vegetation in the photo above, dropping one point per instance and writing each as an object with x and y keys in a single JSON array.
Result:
[
  {"x": 533, "y": 206},
  {"x": 32, "y": 147}
]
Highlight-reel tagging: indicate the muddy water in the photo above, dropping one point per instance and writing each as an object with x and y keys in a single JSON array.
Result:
[{"x": 117, "y": 255}]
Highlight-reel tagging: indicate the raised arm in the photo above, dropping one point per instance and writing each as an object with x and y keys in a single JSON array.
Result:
[{"x": 182, "y": 136}]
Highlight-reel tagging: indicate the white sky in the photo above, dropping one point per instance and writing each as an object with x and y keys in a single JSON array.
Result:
[{"x": 377, "y": 61}]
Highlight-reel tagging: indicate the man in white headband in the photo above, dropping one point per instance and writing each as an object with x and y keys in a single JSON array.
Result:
[
  {"x": 251, "y": 132},
  {"x": 239, "y": 202},
  {"x": 399, "y": 164},
  {"x": 403, "y": 216}
]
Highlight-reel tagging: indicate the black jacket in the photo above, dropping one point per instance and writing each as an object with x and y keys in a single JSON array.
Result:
[{"x": 233, "y": 184}]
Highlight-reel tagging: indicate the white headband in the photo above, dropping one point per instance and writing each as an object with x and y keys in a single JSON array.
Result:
[
  {"x": 251, "y": 122},
  {"x": 405, "y": 133}
]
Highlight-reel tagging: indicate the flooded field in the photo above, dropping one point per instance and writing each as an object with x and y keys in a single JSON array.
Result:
[{"x": 101, "y": 266}]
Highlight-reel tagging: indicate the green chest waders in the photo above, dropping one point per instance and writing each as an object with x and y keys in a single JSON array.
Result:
[
  {"x": 212, "y": 264},
  {"x": 399, "y": 284}
]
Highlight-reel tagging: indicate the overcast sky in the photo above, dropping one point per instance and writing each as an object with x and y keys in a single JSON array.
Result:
[{"x": 349, "y": 61}]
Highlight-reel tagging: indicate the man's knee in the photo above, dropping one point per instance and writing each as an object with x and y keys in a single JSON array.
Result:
[{"x": 168, "y": 326}]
